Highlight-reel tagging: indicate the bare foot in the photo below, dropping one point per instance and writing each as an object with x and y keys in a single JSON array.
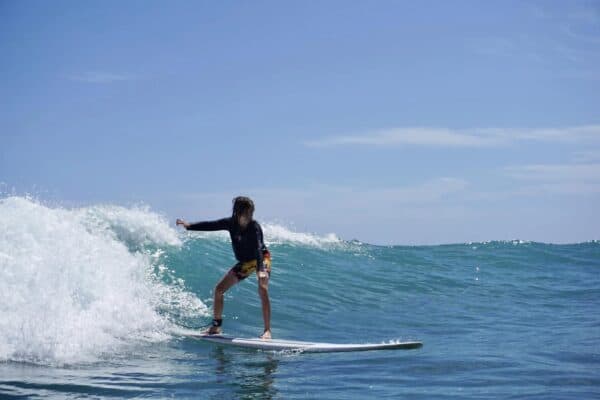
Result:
[
  {"x": 213, "y": 330},
  {"x": 266, "y": 335}
]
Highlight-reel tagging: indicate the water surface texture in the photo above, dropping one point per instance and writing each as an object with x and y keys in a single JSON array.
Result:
[{"x": 93, "y": 302}]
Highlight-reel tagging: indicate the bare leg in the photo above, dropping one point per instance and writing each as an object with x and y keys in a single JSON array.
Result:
[
  {"x": 226, "y": 282},
  {"x": 263, "y": 291}
]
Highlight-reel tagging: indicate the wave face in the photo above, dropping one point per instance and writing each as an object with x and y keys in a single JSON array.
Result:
[
  {"x": 85, "y": 284},
  {"x": 115, "y": 287}
]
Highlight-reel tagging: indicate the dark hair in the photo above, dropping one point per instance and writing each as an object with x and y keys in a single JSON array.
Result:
[{"x": 242, "y": 205}]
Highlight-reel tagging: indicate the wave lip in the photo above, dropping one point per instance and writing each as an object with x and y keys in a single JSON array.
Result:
[
  {"x": 275, "y": 233},
  {"x": 136, "y": 226}
]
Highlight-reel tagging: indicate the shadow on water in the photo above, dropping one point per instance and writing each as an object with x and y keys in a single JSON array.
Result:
[{"x": 251, "y": 378}]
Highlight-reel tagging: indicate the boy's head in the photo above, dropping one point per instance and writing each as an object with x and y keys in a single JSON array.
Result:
[{"x": 243, "y": 209}]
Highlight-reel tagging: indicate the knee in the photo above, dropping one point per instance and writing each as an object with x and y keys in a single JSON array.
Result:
[{"x": 220, "y": 290}]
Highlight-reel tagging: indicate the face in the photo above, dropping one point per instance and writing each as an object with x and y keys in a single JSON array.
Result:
[{"x": 244, "y": 219}]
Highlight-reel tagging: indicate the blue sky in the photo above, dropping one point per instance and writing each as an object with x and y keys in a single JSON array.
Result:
[{"x": 388, "y": 122}]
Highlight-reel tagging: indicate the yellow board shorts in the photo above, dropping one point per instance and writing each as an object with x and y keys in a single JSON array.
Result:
[{"x": 242, "y": 270}]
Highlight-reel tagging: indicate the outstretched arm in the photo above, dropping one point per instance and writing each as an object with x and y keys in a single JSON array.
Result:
[{"x": 217, "y": 225}]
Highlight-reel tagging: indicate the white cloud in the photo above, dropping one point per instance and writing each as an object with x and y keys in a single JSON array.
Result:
[
  {"x": 100, "y": 77},
  {"x": 441, "y": 210},
  {"x": 556, "y": 172},
  {"x": 576, "y": 188},
  {"x": 570, "y": 179},
  {"x": 446, "y": 137},
  {"x": 409, "y": 136},
  {"x": 337, "y": 200}
]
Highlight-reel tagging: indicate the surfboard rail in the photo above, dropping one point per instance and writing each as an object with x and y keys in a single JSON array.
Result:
[{"x": 305, "y": 347}]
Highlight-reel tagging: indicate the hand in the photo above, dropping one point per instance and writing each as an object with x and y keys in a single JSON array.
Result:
[{"x": 182, "y": 222}]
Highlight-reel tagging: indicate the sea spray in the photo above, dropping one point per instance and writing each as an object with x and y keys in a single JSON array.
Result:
[{"x": 78, "y": 283}]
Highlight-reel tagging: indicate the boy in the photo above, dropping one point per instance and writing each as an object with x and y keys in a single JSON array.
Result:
[{"x": 251, "y": 253}]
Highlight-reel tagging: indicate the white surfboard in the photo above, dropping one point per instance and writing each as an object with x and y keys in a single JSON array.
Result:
[{"x": 305, "y": 347}]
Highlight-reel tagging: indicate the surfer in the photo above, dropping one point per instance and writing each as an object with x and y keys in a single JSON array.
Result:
[{"x": 251, "y": 253}]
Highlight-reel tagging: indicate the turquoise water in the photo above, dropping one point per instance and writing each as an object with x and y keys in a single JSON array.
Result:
[{"x": 93, "y": 301}]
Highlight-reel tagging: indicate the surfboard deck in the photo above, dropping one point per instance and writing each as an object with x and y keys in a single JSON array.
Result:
[{"x": 305, "y": 347}]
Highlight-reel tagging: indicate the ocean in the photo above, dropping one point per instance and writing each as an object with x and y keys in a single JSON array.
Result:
[{"x": 94, "y": 300}]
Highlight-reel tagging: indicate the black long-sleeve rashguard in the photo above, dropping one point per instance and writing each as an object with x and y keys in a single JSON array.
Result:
[{"x": 247, "y": 244}]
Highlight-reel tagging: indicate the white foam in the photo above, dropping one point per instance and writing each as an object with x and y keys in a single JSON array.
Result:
[
  {"x": 72, "y": 291},
  {"x": 275, "y": 233},
  {"x": 135, "y": 226}
]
